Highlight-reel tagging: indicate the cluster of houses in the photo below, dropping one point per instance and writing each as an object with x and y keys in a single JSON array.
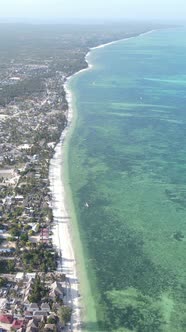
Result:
[
  {"x": 30, "y": 126},
  {"x": 20, "y": 72},
  {"x": 17, "y": 313}
]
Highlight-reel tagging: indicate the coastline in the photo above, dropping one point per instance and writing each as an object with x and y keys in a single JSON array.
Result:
[{"x": 64, "y": 226}]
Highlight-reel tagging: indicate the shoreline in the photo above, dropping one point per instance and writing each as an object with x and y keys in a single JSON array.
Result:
[{"x": 62, "y": 224}]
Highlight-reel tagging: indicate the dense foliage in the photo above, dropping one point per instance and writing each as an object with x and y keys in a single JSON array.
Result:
[
  {"x": 39, "y": 258},
  {"x": 38, "y": 292},
  {"x": 65, "y": 313}
]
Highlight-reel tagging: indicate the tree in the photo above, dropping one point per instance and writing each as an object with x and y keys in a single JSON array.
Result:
[
  {"x": 3, "y": 282},
  {"x": 14, "y": 231},
  {"x": 27, "y": 227},
  {"x": 38, "y": 291},
  {"x": 24, "y": 237},
  {"x": 30, "y": 232},
  {"x": 65, "y": 313},
  {"x": 51, "y": 320},
  {"x": 11, "y": 266}
]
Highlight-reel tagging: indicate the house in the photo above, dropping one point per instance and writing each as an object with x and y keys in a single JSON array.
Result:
[
  {"x": 56, "y": 290},
  {"x": 45, "y": 307},
  {"x": 35, "y": 227},
  {"x": 7, "y": 319},
  {"x": 28, "y": 293},
  {"x": 30, "y": 283},
  {"x": 40, "y": 314},
  {"x": 33, "y": 307},
  {"x": 19, "y": 198},
  {"x": 32, "y": 326},
  {"x": 17, "y": 324},
  {"x": 6, "y": 250},
  {"x": 45, "y": 230},
  {"x": 28, "y": 314},
  {"x": 30, "y": 276},
  {"x": 19, "y": 276},
  {"x": 44, "y": 234}
]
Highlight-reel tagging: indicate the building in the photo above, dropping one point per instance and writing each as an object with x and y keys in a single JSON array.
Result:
[
  {"x": 17, "y": 324},
  {"x": 45, "y": 307},
  {"x": 6, "y": 319},
  {"x": 19, "y": 276},
  {"x": 32, "y": 326},
  {"x": 33, "y": 307},
  {"x": 56, "y": 290},
  {"x": 40, "y": 314},
  {"x": 30, "y": 276}
]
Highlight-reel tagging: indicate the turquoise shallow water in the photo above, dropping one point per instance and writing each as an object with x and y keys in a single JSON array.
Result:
[{"x": 127, "y": 168}]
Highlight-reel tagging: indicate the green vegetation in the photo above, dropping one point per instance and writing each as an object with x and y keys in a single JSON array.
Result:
[
  {"x": 51, "y": 320},
  {"x": 40, "y": 259},
  {"x": 7, "y": 266},
  {"x": 3, "y": 282},
  {"x": 21, "y": 89},
  {"x": 15, "y": 231},
  {"x": 24, "y": 237},
  {"x": 65, "y": 313},
  {"x": 38, "y": 292}
]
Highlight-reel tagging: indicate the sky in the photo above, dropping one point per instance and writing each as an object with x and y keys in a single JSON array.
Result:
[{"x": 60, "y": 10}]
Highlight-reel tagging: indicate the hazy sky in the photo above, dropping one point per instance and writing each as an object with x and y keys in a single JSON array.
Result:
[{"x": 56, "y": 9}]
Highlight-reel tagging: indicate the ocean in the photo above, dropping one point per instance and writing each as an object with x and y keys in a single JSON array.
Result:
[{"x": 127, "y": 174}]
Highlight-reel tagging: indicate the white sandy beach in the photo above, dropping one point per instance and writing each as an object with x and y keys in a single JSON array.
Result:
[
  {"x": 62, "y": 237},
  {"x": 62, "y": 240}
]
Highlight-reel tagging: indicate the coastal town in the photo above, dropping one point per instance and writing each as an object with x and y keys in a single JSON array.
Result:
[
  {"x": 34, "y": 289},
  {"x": 33, "y": 292}
]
